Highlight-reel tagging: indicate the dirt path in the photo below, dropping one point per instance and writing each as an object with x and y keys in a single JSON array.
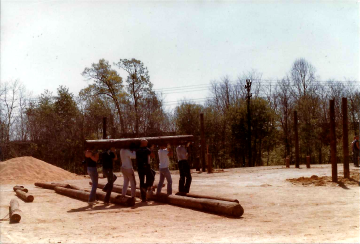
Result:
[{"x": 276, "y": 210}]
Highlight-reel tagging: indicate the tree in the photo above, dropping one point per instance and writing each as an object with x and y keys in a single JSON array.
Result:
[
  {"x": 107, "y": 82},
  {"x": 139, "y": 84}
]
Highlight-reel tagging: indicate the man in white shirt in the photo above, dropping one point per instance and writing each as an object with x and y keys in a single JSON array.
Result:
[
  {"x": 127, "y": 169},
  {"x": 184, "y": 168},
  {"x": 164, "y": 171}
]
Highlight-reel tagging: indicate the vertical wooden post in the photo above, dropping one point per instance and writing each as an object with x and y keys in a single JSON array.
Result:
[
  {"x": 104, "y": 128},
  {"x": 333, "y": 141},
  {"x": 209, "y": 168},
  {"x": 308, "y": 160},
  {"x": 202, "y": 142},
  {"x": 287, "y": 162},
  {"x": 296, "y": 140},
  {"x": 345, "y": 138}
]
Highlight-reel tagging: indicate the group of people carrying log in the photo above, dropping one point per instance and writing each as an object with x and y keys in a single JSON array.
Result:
[{"x": 146, "y": 174}]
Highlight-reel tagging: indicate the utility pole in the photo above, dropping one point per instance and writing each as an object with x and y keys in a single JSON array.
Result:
[{"x": 248, "y": 96}]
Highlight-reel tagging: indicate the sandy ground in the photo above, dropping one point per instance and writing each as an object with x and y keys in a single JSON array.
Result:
[{"x": 277, "y": 210}]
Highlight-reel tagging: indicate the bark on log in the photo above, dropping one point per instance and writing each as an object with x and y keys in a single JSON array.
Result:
[
  {"x": 84, "y": 195},
  {"x": 21, "y": 188},
  {"x": 231, "y": 209},
  {"x": 14, "y": 211},
  {"x": 207, "y": 197},
  {"x": 51, "y": 186},
  {"x": 125, "y": 142},
  {"x": 118, "y": 189},
  {"x": 24, "y": 196}
]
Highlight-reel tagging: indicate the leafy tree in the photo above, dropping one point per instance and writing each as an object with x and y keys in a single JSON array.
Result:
[
  {"x": 139, "y": 85},
  {"x": 108, "y": 83}
]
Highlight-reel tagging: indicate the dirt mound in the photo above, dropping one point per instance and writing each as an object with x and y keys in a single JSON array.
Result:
[
  {"x": 31, "y": 170},
  {"x": 326, "y": 180}
]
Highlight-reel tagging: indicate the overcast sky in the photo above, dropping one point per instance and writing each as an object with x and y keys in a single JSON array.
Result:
[{"x": 46, "y": 44}]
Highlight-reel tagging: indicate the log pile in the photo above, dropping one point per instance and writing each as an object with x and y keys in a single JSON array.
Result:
[{"x": 125, "y": 142}]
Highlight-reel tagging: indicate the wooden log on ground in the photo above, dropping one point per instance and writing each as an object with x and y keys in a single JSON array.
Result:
[
  {"x": 84, "y": 196},
  {"x": 125, "y": 142},
  {"x": 155, "y": 185},
  {"x": 118, "y": 189},
  {"x": 231, "y": 209},
  {"x": 77, "y": 194},
  {"x": 51, "y": 185},
  {"x": 21, "y": 188},
  {"x": 24, "y": 196},
  {"x": 14, "y": 211},
  {"x": 207, "y": 197}
]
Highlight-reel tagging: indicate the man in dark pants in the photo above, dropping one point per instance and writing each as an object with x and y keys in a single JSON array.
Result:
[
  {"x": 184, "y": 168},
  {"x": 107, "y": 159},
  {"x": 143, "y": 155}
]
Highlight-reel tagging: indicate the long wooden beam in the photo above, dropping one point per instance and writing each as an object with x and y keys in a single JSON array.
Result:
[
  {"x": 125, "y": 142},
  {"x": 206, "y": 196},
  {"x": 232, "y": 209},
  {"x": 84, "y": 196}
]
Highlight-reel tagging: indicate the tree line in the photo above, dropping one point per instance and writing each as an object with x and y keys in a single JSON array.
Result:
[{"x": 53, "y": 127}]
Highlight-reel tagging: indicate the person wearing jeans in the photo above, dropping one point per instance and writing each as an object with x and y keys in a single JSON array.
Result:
[
  {"x": 143, "y": 155},
  {"x": 184, "y": 168},
  {"x": 91, "y": 158},
  {"x": 107, "y": 159},
  {"x": 164, "y": 169},
  {"x": 127, "y": 169}
]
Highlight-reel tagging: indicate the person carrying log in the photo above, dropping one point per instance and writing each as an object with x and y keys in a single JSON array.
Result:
[
  {"x": 143, "y": 155},
  {"x": 107, "y": 160},
  {"x": 184, "y": 168},
  {"x": 164, "y": 171},
  {"x": 127, "y": 169},
  {"x": 91, "y": 159},
  {"x": 355, "y": 151}
]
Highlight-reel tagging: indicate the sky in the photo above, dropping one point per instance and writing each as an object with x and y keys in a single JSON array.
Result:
[{"x": 185, "y": 45}]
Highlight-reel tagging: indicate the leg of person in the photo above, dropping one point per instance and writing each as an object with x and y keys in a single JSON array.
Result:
[
  {"x": 132, "y": 183},
  {"x": 110, "y": 175},
  {"x": 187, "y": 176},
  {"x": 105, "y": 174},
  {"x": 169, "y": 181},
  {"x": 142, "y": 184},
  {"x": 182, "y": 176},
  {"x": 92, "y": 171},
  {"x": 126, "y": 181},
  {"x": 161, "y": 181}
]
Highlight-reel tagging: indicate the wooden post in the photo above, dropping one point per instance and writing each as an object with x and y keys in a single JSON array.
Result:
[
  {"x": 308, "y": 160},
  {"x": 24, "y": 196},
  {"x": 104, "y": 128},
  {"x": 202, "y": 141},
  {"x": 14, "y": 211},
  {"x": 209, "y": 168},
  {"x": 333, "y": 141},
  {"x": 297, "y": 163},
  {"x": 345, "y": 138},
  {"x": 287, "y": 160}
]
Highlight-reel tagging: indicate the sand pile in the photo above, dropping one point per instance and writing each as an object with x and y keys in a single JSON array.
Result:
[
  {"x": 31, "y": 170},
  {"x": 326, "y": 180}
]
